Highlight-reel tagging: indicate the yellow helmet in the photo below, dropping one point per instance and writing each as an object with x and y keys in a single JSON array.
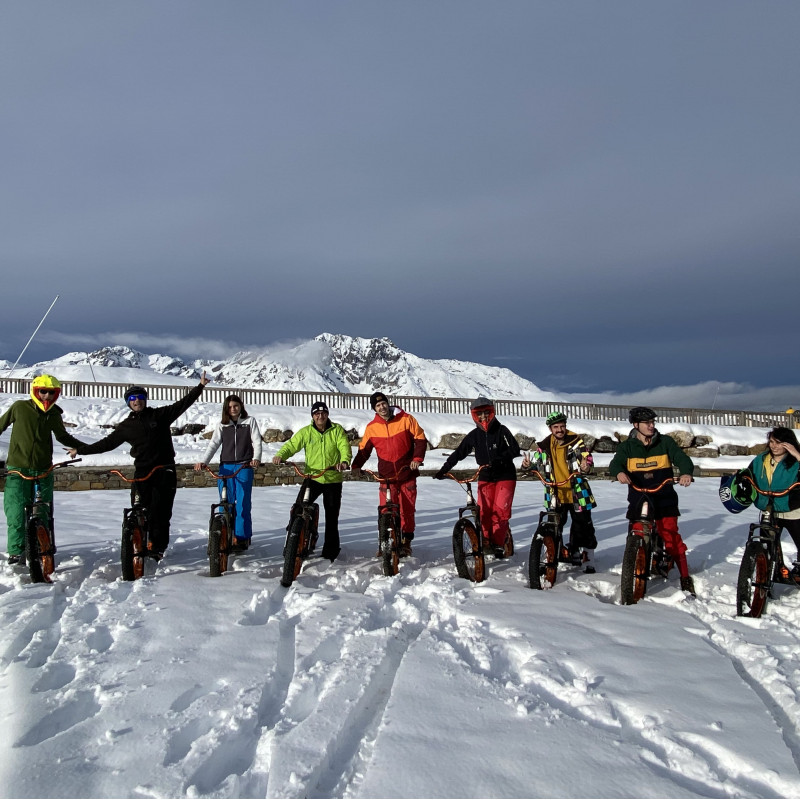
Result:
[{"x": 45, "y": 382}]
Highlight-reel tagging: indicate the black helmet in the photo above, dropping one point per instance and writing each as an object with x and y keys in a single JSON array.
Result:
[
  {"x": 131, "y": 391},
  {"x": 481, "y": 402},
  {"x": 641, "y": 414}
]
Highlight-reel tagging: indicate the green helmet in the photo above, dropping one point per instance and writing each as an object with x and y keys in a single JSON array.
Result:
[{"x": 556, "y": 416}]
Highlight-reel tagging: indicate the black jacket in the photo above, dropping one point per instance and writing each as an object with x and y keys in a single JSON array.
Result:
[
  {"x": 148, "y": 434},
  {"x": 496, "y": 447}
]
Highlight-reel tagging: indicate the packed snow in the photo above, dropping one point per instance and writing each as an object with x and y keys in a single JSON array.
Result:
[{"x": 352, "y": 684}]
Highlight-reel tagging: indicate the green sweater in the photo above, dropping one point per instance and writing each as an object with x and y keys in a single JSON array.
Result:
[
  {"x": 648, "y": 466},
  {"x": 323, "y": 449},
  {"x": 31, "y": 445}
]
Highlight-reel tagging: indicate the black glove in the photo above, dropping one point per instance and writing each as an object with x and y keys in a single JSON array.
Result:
[{"x": 441, "y": 474}]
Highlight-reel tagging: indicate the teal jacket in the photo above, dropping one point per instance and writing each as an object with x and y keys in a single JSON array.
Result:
[
  {"x": 782, "y": 478},
  {"x": 323, "y": 449},
  {"x": 31, "y": 445}
]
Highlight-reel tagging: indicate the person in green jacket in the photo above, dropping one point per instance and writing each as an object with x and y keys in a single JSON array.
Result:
[
  {"x": 326, "y": 447},
  {"x": 645, "y": 461},
  {"x": 30, "y": 452}
]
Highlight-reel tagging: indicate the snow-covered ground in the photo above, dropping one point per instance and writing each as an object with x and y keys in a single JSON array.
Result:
[{"x": 356, "y": 685}]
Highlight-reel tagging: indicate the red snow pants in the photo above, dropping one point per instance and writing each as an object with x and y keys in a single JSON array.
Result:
[
  {"x": 405, "y": 495},
  {"x": 494, "y": 501},
  {"x": 667, "y": 529}
]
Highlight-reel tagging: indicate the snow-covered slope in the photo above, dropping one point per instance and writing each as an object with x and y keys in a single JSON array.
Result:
[
  {"x": 329, "y": 362},
  {"x": 350, "y": 684}
]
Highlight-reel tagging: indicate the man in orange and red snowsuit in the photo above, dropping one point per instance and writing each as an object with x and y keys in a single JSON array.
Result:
[{"x": 400, "y": 444}]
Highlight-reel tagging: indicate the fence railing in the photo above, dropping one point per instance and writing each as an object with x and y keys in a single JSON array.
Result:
[{"x": 414, "y": 405}]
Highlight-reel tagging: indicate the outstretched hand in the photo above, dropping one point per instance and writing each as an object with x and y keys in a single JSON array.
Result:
[{"x": 203, "y": 380}]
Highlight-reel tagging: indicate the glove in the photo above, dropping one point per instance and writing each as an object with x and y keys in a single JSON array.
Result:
[{"x": 441, "y": 474}]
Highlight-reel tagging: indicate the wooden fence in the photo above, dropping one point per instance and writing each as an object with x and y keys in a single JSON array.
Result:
[{"x": 414, "y": 405}]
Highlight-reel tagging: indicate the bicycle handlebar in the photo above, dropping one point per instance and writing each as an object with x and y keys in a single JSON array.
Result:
[
  {"x": 302, "y": 474},
  {"x": 660, "y": 486},
  {"x": 137, "y": 480},
  {"x": 43, "y": 474},
  {"x": 222, "y": 477},
  {"x": 382, "y": 480},
  {"x": 768, "y": 493},
  {"x": 554, "y": 484},
  {"x": 466, "y": 480}
]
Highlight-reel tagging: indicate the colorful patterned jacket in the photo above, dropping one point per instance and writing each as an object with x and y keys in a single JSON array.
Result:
[{"x": 574, "y": 451}]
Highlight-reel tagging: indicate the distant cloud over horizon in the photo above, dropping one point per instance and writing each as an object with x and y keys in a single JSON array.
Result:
[{"x": 605, "y": 191}]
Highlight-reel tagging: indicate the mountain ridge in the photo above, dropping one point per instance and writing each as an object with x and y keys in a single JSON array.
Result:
[{"x": 328, "y": 362}]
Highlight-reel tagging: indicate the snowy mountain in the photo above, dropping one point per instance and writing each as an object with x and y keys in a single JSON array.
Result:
[{"x": 329, "y": 362}]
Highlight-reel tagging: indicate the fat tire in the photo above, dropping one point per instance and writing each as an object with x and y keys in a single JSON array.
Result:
[
  {"x": 542, "y": 561},
  {"x": 293, "y": 552},
  {"x": 36, "y": 534},
  {"x": 218, "y": 546},
  {"x": 389, "y": 540},
  {"x": 469, "y": 558},
  {"x": 634, "y": 570},
  {"x": 752, "y": 586},
  {"x": 130, "y": 552}
]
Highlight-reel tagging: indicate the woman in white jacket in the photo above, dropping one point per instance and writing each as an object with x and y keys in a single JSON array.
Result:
[{"x": 240, "y": 439}]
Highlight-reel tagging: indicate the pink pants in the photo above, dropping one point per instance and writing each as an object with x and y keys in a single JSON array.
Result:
[
  {"x": 667, "y": 528},
  {"x": 494, "y": 501},
  {"x": 405, "y": 495}
]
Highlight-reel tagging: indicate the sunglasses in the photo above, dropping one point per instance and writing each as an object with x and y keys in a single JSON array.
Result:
[
  {"x": 46, "y": 391},
  {"x": 132, "y": 397}
]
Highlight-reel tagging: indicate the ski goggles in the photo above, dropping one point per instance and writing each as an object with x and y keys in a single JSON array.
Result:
[{"x": 136, "y": 397}]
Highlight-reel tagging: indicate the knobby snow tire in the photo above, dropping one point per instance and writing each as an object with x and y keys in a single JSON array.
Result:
[
  {"x": 543, "y": 562},
  {"x": 634, "y": 570},
  {"x": 219, "y": 545},
  {"x": 131, "y": 551},
  {"x": 470, "y": 562},
  {"x": 293, "y": 552},
  {"x": 389, "y": 540},
  {"x": 752, "y": 587},
  {"x": 37, "y": 541}
]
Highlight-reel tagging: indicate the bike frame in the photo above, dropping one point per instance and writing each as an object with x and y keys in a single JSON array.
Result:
[
  {"x": 551, "y": 519},
  {"x": 768, "y": 534},
  {"x": 35, "y": 510},
  {"x": 223, "y": 507},
  {"x": 389, "y": 506},
  {"x": 309, "y": 511},
  {"x": 138, "y": 513},
  {"x": 43, "y": 510}
]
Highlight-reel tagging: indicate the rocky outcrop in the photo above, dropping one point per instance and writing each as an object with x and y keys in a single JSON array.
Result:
[
  {"x": 451, "y": 440},
  {"x": 605, "y": 444},
  {"x": 683, "y": 439},
  {"x": 275, "y": 435},
  {"x": 734, "y": 450}
]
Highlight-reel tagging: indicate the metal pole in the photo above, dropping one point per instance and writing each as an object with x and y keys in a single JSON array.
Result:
[{"x": 33, "y": 334}]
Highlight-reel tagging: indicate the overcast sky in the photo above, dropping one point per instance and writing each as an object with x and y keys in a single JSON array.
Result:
[{"x": 598, "y": 195}]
